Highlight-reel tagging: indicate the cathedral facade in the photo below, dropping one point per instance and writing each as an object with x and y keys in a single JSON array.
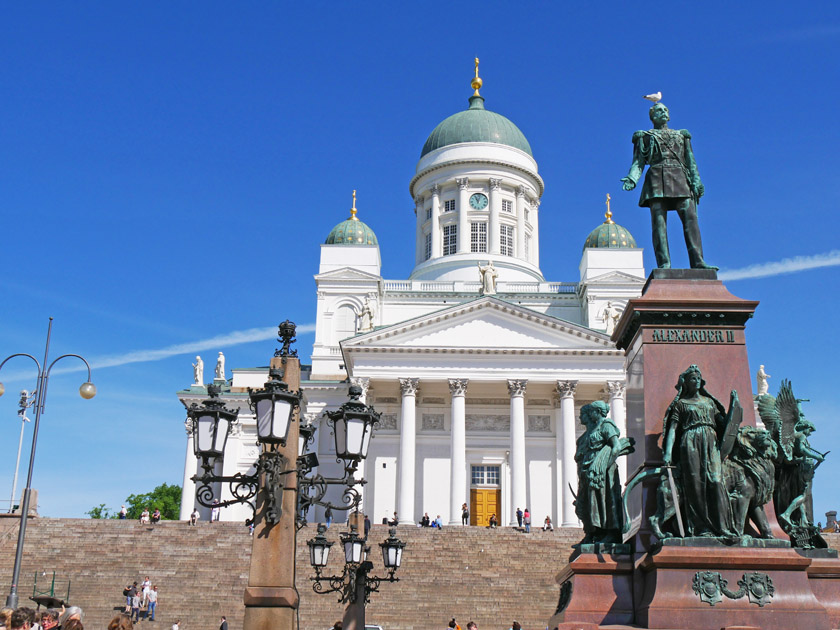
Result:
[{"x": 478, "y": 364}]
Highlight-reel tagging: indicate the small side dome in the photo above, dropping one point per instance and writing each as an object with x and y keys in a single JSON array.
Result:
[
  {"x": 351, "y": 231},
  {"x": 610, "y": 234}
]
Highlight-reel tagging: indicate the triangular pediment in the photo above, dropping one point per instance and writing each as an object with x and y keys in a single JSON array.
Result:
[
  {"x": 486, "y": 324},
  {"x": 616, "y": 277},
  {"x": 348, "y": 273}
]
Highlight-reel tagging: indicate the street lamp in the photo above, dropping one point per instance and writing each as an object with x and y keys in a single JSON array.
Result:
[
  {"x": 355, "y": 583},
  {"x": 271, "y": 594},
  {"x": 86, "y": 391}
]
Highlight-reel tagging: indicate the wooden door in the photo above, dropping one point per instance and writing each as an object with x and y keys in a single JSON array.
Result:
[{"x": 483, "y": 503}]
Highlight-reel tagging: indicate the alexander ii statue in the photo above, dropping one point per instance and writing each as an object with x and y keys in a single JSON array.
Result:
[{"x": 671, "y": 183}]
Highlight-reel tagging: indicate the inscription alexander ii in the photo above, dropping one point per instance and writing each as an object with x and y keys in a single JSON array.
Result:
[{"x": 693, "y": 335}]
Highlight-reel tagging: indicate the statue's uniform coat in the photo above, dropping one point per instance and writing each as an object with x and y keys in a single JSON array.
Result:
[{"x": 672, "y": 171}]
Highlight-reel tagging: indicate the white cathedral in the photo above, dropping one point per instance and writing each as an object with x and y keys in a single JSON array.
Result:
[{"x": 478, "y": 364}]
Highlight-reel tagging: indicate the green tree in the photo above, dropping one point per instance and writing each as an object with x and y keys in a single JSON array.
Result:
[
  {"x": 166, "y": 498},
  {"x": 100, "y": 511}
]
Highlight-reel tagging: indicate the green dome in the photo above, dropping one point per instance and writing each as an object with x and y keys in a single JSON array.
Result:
[
  {"x": 476, "y": 124},
  {"x": 351, "y": 232},
  {"x": 610, "y": 234}
]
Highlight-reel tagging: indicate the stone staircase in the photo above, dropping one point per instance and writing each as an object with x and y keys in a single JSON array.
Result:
[{"x": 490, "y": 576}]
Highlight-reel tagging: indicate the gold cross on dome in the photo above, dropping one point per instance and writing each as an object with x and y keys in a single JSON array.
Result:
[
  {"x": 353, "y": 209},
  {"x": 609, "y": 212}
]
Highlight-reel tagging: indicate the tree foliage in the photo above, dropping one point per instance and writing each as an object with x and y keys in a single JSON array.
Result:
[
  {"x": 100, "y": 511},
  {"x": 166, "y": 498}
]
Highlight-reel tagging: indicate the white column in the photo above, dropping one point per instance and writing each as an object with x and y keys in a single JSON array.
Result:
[
  {"x": 518, "y": 495},
  {"x": 560, "y": 473},
  {"x": 520, "y": 223},
  {"x": 618, "y": 414},
  {"x": 421, "y": 219},
  {"x": 493, "y": 233},
  {"x": 364, "y": 383},
  {"x": 437, "y": 251},
  {"x": 408, "y": 433},
  {"x": 566, "y": 392},
  {"x": 190, "y": 469},
  {"x": 458, "y": 450},
  {"x": 535, "y": 232},
  {"x": 463, "y": 219}
]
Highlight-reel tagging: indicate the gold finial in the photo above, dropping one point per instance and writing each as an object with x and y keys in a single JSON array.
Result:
[
  {"x": 476, "y": 82},
  {"x": 353, "y": 209},
  {"x": 609, "y": 213}
]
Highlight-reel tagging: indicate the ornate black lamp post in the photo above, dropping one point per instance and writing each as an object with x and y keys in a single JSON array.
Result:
[
  {"x": 86, "y": 391},
  {"x": 355, "y": 583},
  {"x": 283, "y": 439}
]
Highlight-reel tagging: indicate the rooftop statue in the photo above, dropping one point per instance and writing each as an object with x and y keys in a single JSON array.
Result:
[
  {"x": 786, "y": 422},
  {"x": 672, "y": 182},
  {"x": 198, "y": 371},
  {"x": 598, "y": 502}
]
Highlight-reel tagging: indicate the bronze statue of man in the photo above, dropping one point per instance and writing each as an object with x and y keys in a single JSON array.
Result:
[{"x": 671, "y": 183}]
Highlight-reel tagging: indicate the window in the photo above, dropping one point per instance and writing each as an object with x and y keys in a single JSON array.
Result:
[
  {"x": 506, "y": 240},
  {"x": 428, "y": 213},
  {"x": 449, "y": 205},
  {"x": 450, "y": 239},
  {"x": 507, "y": 205},
  {"x": 344, "y": 321},
  {"x": 428, "y": 246},
  {"x": 478, "y": 237},
  {"x": 485, "y": 475},
  {"x": 527, "y": 247}
]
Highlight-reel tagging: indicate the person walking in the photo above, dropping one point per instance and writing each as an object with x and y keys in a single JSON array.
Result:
[
  {"x": 526, "y": 518},
  {"x": 223, "y": 625},
  {"x": 465, "y": 514},
  {"x": 123, "y": 513},
  {"x": 328, "y": 516},
  {"x": 147, "y": 586},
  {"x": 194, "y": 517},
  {"x": 135, "y": 606},
  {"x": 519, "y": 516},
  {"x": 367, "y": 525},
  {"x": 176, "y": 625},
  {"x": 152, "y": 603},
  {"x": 129, "y": 592}
]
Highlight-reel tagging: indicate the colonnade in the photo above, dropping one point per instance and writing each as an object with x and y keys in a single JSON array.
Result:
[{"x": 565, "y": 466}]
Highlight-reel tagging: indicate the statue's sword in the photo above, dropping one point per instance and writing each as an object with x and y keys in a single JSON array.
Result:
[{"x": 676, "y": 499}]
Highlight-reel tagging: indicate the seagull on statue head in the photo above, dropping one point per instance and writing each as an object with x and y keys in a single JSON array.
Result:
[{"x": 654, "y": 98}]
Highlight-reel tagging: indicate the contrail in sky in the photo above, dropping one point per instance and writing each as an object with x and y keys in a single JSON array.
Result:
[
  {"x": 787, "y": 265},
  {"x": 144, "y": 356}
]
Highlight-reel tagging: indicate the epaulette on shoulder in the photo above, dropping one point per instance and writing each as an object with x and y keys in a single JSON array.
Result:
[
  {"x": 686, "y": 133},
  {"x": 638, "y": 135}
]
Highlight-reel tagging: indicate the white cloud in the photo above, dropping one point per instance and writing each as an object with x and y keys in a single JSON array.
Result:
[
  {"x": 226, "y": 340},
  {"x": 787, "y": 265}
]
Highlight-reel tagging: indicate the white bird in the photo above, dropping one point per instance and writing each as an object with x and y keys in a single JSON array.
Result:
[{"x": 655, "y": 98}]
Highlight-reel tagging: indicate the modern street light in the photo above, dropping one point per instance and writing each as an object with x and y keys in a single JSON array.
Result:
[
  {"x": 86, "y": 391},
  {"x": 355, "y": 583},
  {"x": 26, "y": 401},
  {"x": 283, "y": 467}
]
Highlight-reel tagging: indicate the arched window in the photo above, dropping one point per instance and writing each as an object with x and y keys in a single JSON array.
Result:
[{"x": 345, "y": 322}]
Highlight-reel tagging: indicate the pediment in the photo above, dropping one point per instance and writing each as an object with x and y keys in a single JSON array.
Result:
[
  {"x": 486, "y": 324},
  {"x": 348, "y": 273},
  {"x": 616, "y": 277}
]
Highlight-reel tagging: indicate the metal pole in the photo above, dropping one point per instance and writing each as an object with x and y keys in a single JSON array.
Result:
[{"x": 12, "y": 599}]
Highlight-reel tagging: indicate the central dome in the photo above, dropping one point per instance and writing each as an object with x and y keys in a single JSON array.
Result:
[{"x": 476, "y": 124}]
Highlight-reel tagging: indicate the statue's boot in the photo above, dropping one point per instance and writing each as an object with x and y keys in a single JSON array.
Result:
[{"x": 693, "y": 242}]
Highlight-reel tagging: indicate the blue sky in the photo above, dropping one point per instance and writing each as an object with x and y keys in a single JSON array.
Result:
[{"x": 167, "y": 172}]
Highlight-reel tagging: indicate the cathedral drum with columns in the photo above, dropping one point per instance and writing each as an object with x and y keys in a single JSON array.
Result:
[{"x": 479, "y": 371}]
